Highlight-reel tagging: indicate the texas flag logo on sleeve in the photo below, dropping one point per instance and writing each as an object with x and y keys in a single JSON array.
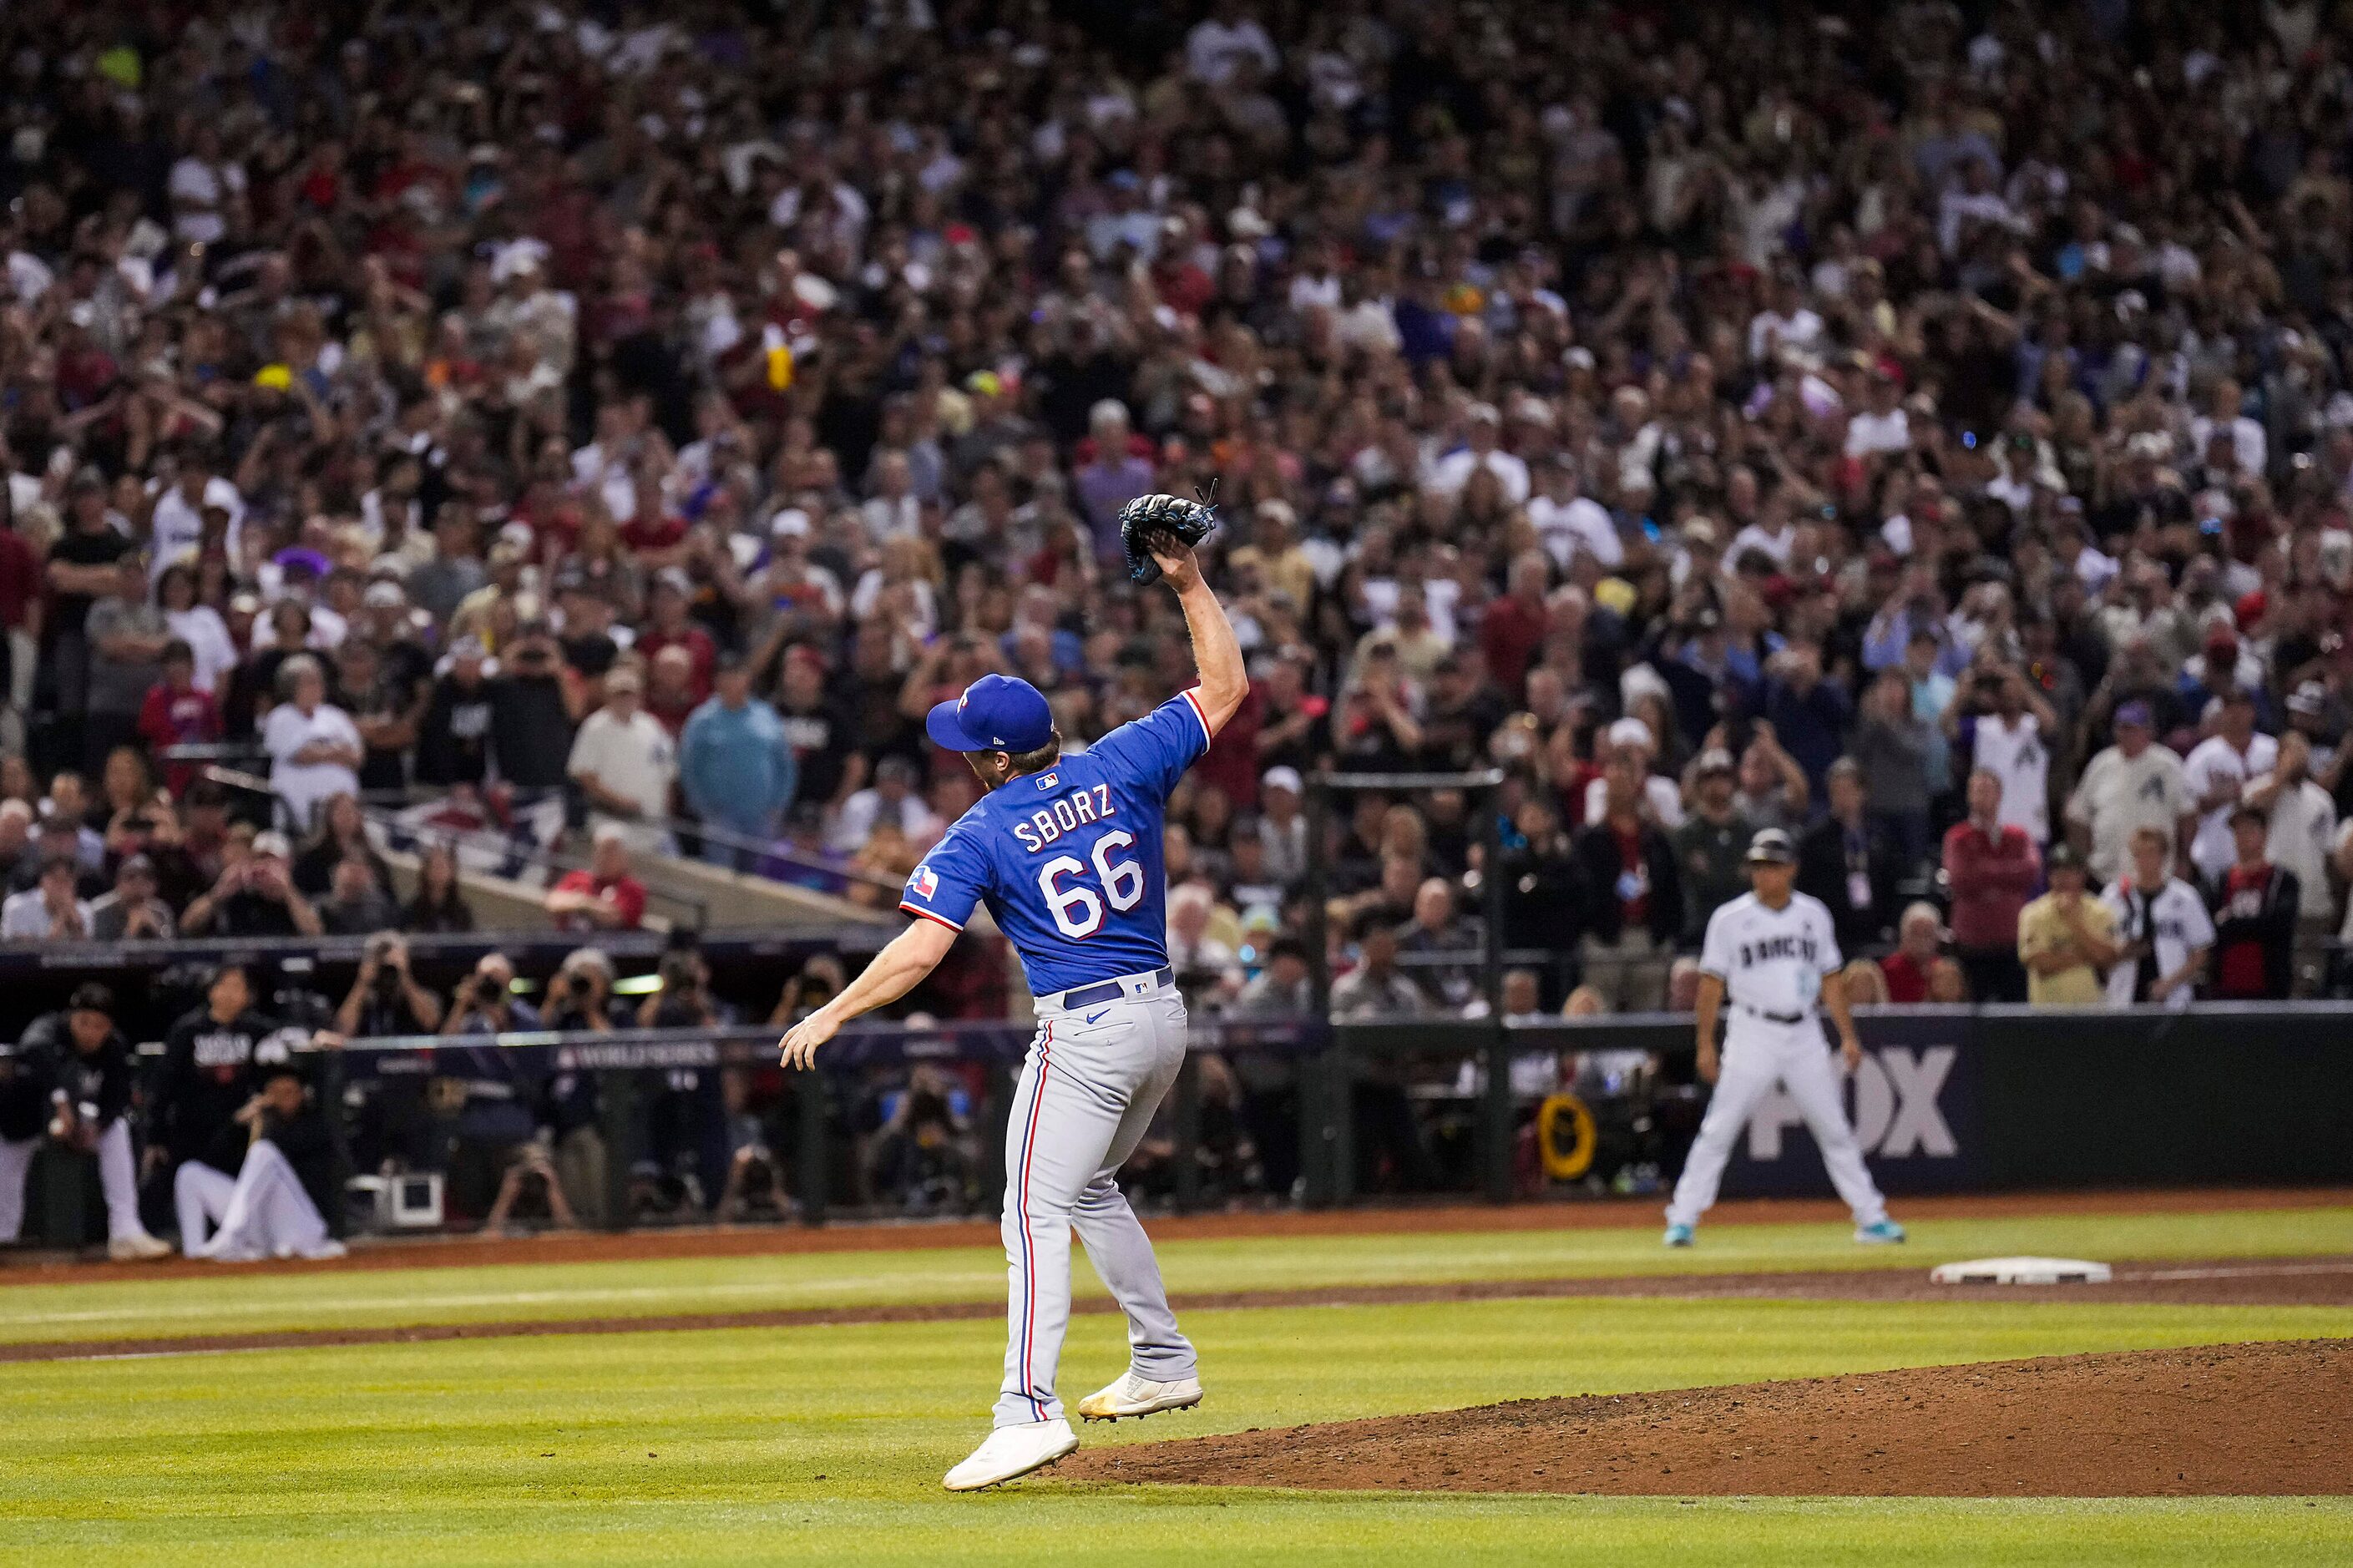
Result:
[{"x": 923, "y": 882}]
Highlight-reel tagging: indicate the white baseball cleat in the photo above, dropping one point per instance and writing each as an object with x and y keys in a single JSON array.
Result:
[
  {"x": 137, "y": 1248},
  {"x": 1135, "y": 1394},
  {"x": 1011, "y": 1451}
]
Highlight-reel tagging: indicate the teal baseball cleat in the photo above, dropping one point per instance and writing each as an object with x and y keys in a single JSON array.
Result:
[
  {"x": 1678, "y": 1236},
  {"x": 1881, "y": 1233}
]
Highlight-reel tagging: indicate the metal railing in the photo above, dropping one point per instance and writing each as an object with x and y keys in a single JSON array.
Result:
[
  {"x": 508, "y": 854},
  {"x": 238, "y": 766}
]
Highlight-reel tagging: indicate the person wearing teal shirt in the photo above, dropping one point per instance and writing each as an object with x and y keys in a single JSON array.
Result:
[{"x": 735, "y": 766}]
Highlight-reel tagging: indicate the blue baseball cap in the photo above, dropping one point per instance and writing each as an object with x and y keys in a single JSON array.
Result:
[{"x": 996, "y": 713}]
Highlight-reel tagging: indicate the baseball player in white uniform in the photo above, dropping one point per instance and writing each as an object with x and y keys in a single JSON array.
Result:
[
  {"x": 1066, "y": 853},
  {"x": 1770, "y": 954}
]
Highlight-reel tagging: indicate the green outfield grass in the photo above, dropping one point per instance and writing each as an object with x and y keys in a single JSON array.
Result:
[
  {"x": 826, "y": 1443},
  {"x": 679, "y": 1447},
  {"x": 564, "y": 1290}
]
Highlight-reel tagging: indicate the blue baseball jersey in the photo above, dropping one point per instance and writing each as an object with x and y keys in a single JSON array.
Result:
[{"x": 1068, "y": 860}]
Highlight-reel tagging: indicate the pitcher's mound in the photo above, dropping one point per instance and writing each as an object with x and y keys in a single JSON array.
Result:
[{"x": 2263, "y": 1419}]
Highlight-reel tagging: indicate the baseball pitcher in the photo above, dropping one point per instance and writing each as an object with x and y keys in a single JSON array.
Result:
[
  {"x": 1771, "y": 956},
  {"x": 1066, "y": 853}
]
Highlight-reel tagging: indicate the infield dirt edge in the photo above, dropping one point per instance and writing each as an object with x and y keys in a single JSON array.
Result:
[{"x": 2269, "y": 1419}]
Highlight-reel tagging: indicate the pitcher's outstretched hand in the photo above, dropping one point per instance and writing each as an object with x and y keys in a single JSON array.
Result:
[{"x": 799, "y": 1048}]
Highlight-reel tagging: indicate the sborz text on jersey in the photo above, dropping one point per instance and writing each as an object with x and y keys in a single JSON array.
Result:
[{"x": 1067, "y": 815}]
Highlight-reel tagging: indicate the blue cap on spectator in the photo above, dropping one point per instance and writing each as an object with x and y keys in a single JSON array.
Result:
[
  {"x": 2135, "y": 714},
  {"x": 996, "y": 713}
]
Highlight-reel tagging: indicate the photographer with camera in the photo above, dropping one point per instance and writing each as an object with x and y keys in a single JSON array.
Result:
[
  {"x": 484, "y": 1002},
  {"x": 684, "y": 1114},
  {"x": 393, "y": 1126},
  {"x": 579, "y": 999},
  {"x": 384, "y": 997},
  {"x": 80, "y": 1061},
  {"x": 495, "y": 1092}
]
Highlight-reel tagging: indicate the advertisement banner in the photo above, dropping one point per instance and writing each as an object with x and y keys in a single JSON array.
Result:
[{"x": 1913, "y": 1105}]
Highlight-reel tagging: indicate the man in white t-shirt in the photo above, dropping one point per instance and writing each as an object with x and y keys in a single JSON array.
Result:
[
  {"x": 2162, "y": 926},
  {"x": 894, "y": 798},
  {"x": 625, "y": 762},
  {"x": 1661, "y": 796},
  {"x": 1789, "y": 326},
  {"x": 1447, "y": 475},
  {"x": 1569, "y": 523},
  {"x": 1220, "y": 43},
  {"x": 2225, "y": 415},
  {"x": 176, "y": 526},
  {"x": 2009, "y": 743},
  {"x": 2342, "y": 857},
  {"x": 1884, "y": 426},
  {"x": 1771, "y": 533},
  {"x": 2132, "y": 785},
  {"x": 2303, "y": 823},
  {"x": 200, "y": 185},
  {"x": 2218, "y": 769}
]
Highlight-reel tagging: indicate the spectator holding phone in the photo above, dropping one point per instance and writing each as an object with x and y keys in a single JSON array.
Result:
[
  {"x": 255, "y": 896},
  {"x": 51, "y": 909}
]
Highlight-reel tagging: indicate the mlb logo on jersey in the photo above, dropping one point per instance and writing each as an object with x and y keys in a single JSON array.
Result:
[
  {"x": 1047, "y": 781},
  {"x": 923, "y": 882}
]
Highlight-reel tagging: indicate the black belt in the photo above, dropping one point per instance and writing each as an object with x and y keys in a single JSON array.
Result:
[
  {"x": 1110, "y": 990},
  {"x": 1773, "y": 1017}
]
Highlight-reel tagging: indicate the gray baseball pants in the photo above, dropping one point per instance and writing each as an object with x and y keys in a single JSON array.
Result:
[{"x": 1088, "y": 1089}]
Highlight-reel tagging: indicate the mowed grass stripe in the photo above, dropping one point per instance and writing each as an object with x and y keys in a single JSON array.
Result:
[
  {"x": 391, "y": 1298},
  {"x": 825, "y": 1444},
  {"x": 1214, "y": 1527}
]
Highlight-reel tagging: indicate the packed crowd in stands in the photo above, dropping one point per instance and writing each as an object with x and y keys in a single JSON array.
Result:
[{"x": 1926, "y": 428}]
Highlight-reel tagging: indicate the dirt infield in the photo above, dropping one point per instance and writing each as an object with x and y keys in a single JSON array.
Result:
[
  {"x": 760, "y": 1241},
  {"x": 2273, "y": 1420},
  {"x": 2301, "y": 1281}
]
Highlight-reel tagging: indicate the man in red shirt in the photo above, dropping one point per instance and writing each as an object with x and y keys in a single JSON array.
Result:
[
  {"x": 175, "y": 713},
  {"x": 1629, "y": 899},
  {"x": 1906, "y": 970},
  {"x": 605, "y": 897},
  {"x": 1513, "y": 627},
  {"x": 1994, "y": 870}
]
